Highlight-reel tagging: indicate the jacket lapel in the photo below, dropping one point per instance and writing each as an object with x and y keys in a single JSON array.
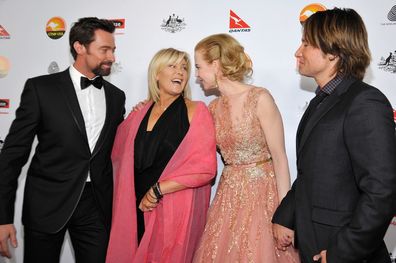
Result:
[
  {"x": 321, "y": 111},
  {"x": 69, "y": 93}
]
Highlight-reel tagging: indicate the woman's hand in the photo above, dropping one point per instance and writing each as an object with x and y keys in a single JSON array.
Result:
[
  {"x": 283, "y": 236},
  {"x": 149, "y": 201}
]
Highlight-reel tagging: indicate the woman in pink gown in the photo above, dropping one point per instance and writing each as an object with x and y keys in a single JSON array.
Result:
[{"x": 249, "y": 136}]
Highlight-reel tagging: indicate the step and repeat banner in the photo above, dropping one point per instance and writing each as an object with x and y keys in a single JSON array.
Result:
[{"x": 34, "y": 41}]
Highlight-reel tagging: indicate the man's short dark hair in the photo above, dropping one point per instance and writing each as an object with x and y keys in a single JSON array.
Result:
[{"x": 84, "y": 29}]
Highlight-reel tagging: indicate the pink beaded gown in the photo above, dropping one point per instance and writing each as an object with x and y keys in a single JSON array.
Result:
[{"x": 239, "y": 227}]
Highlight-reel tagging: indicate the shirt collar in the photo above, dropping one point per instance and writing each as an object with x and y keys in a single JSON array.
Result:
[
  {"x": 76, "y": 75},
  {"x": 331, "y": 85}
]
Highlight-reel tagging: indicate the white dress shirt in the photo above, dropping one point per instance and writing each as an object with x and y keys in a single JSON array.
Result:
[{"x": 93, "y": 107}]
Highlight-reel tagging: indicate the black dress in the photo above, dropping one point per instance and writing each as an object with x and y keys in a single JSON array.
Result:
[{"x": 154, "y": 149}]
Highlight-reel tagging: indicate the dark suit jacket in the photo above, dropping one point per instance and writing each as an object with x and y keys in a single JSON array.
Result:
[
  {"x": 49, "y": 109},
  {"x": 344, "y": 196}
]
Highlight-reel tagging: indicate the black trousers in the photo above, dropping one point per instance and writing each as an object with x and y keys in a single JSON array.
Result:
[{"x": 88, "y": 235}]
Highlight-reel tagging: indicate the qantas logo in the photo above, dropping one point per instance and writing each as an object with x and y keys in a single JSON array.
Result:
[
  {"x": 3, "y": 33},
  {"x": 237, "y": 24}
]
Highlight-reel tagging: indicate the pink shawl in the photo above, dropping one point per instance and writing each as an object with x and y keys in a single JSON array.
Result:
[{"x": 173, "y": 228}]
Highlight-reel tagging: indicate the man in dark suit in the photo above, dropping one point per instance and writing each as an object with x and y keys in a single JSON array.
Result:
[
  {"x": 343, "y": 198},
  {"x": 69, "y": 184}
]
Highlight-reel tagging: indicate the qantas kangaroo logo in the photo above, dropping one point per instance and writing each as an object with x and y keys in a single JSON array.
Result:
[{"x": 237, "y": 24}]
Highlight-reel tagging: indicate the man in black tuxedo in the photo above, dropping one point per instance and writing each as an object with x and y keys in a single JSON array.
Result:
[
  {"x": 69, "y": 184},
  {"x": 343, "y": 198}
]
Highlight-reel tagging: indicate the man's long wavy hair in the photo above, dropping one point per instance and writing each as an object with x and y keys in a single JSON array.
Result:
[{"x": 342, "y": 33}]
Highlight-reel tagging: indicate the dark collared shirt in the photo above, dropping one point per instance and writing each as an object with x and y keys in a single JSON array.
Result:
[{"x": 331, "y": 85}]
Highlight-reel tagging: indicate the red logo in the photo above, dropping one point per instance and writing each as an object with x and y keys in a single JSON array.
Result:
[
  {"x": 118, "y": 23},
  {"x": 3, "y": 33},
  {"x": 4, "y": 103},
  {"x": 236, "y": 21},
  {"x": 237, "y": 24},
  {"x": 394, "y": 115},
  {"x": 4, "y": 106},
  {"x": 393, "y": 222}
]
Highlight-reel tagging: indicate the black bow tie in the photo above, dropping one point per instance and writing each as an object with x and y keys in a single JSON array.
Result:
[{"x": 96, "y": 82}]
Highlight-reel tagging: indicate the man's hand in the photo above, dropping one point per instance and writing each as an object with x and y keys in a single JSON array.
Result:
[
  {"x": 7, "y": 232},
  {"x": 321, "y": 257},
  {"x": 284, "y": 236},
  {"x": 140, "y": 105}
]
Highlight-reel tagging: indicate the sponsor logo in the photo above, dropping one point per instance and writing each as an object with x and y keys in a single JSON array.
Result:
[
  {"x": 237, "y": 24},
  {"x": 392, "y": 14},
  {"x": 3, "y": 33},
  {"x": 391, "y": 17},
  {"x": 394, "y": 115},
  {"x": 116, "y": 68},
  {"x": 5, "y": 103},
  {"x": 393, "y": 222},
  {"x": 173, "y": 24},
  {"x": 388, "y": 62},
  {"x": 309, "y": 10},
  {"x": 53, "y": 67},
  {"x": 4, "y": 106},
  {"x": 119, "y": 25},
  {"x": 55, "y": 27},
  {"x": 4, "y": 67}
]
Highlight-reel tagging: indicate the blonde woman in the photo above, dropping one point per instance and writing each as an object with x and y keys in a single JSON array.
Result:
[
  {"x": 249, "y": 136},
  {"x": 164, "y": 159}
]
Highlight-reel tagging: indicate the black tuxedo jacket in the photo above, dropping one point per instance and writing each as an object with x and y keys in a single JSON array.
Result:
[
  {"x": 343, "y": 198},
  {"x": 49, "y": 109}
]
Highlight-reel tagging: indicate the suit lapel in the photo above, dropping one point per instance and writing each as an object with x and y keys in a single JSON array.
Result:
[
  {"x": 106, "y": 125},
  {"x": 321, "y": 111},
  {"x": 316, "y": 116},
  {"x": 301, "y": 124},
  {"x": 69, "y": 93}
]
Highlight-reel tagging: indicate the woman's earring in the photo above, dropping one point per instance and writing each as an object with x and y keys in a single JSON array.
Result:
[{"x": 216, "y": 83}]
